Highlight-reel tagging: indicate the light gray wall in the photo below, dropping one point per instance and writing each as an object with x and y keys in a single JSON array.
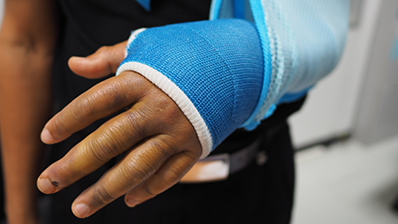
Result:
[{"x": 378, "y": 109}]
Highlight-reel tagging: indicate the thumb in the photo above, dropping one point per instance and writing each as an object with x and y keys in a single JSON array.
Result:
[{"x": 103, "y": 62}]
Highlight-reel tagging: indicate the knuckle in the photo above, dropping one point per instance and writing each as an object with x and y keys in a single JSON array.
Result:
[
  {"x": 162, "y": 104},
  {"x": 148, "y": 191},
  {"x": 98, "y": 156},
  {"x": 102, "y": 149},
  {"x": 127, "y": 79},
  {"x": 172, "y": 176},
  {"x": 109, "y": 95},
  {"x": 134, "y": 121},
  {"x": 103, "y": 49},
  {"x": 163, "y": 147},
  {"x": 134, "y": 174},
  {"x": 58, "y": 128},
  {"x": 102, "y": 196},
  {"x": 83, "y": 108},
  {"x": 139, "y": 80},
  {"x": 89, "y": 105},
  {"x": 114, "y": 91},
  {"x": 165, "y": 104}
]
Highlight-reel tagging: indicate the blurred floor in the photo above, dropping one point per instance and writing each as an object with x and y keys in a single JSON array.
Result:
[{"x": 347, "y": 183}]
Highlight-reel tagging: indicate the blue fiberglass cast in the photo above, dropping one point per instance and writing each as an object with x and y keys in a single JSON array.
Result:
[
  {"x": 215, "y": 67},
  {"x": 230, "y": 73}
]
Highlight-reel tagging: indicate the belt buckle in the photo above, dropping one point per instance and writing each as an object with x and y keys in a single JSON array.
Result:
[{"x": 212, "y": 168}]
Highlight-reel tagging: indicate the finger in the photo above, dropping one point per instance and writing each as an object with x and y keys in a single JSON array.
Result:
[
  {"x": 111, "y": 139},
  {"x": 104, "y": 99},
  {"x": 103, "y": 62},
  {"x": 136, "y": 167},
  {"x": 167, "y": 176}
]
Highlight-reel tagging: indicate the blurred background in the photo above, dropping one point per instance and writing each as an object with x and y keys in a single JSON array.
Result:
[{"x": 347, "y": 133}]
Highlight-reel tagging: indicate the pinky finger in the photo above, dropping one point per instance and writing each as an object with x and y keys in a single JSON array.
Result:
[{"x": 167, "y": 176}]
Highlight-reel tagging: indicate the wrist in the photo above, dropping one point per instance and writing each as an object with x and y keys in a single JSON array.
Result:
[{"x": 213, "y": 70}]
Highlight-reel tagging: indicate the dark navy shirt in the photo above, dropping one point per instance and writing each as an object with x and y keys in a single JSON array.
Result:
[{"x": 86, "y": 25}]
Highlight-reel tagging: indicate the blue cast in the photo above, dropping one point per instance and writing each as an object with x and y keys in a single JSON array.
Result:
[
  {"x": 218, "y": 66},
  {"x": 230, "y": 73}
]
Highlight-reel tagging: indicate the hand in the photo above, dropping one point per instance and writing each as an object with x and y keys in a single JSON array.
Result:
[{"x": 160, "y": 142}]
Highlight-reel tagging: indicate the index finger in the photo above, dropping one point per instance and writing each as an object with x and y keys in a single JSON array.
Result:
[{"x": 102, "y": 100}]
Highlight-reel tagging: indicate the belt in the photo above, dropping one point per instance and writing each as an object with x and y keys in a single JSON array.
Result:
[{"x": 219, "y": 167}]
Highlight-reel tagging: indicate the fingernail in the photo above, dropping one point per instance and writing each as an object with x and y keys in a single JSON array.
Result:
[
  {"x": 131, "y": 202},
  {"x": 46, "y": 136},
  {"x": 45, "y": 186},
  {"x": 82, "y": 210}
]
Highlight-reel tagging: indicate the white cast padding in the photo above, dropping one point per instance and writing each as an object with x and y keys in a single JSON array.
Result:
[{"x": 179, "y": 97}]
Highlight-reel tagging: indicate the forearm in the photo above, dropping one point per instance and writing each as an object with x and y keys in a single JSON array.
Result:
[
  {"x": 212, "y": 69},
  {"x": 26, "y": 44},
  {"x": 232, "y": 74},
  {"x": 25, "y": 103}
]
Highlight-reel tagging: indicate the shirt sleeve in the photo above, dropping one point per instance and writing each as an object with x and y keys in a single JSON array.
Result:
[{"x": 233, "y": 70}]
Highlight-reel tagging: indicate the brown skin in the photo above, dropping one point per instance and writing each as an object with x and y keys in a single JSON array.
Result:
[
  {"x": 161, "y": 143},
  {"x": 27, "y": 40}
]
